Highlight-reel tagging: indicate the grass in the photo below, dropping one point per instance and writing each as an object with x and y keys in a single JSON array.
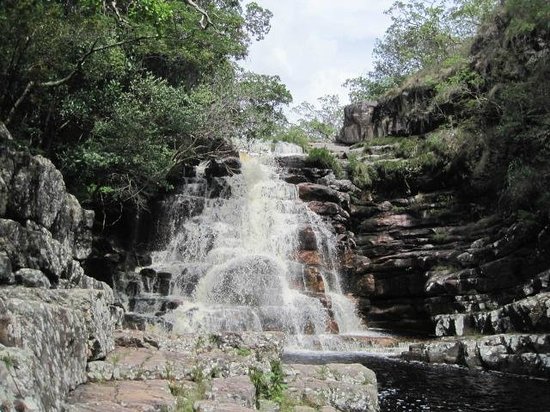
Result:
[
  {"x": 269, "y": 385},
  {"x": 324, "y": 159},
  {"x": 186, "y": 398},
  {"x": 244, "y": 352}
]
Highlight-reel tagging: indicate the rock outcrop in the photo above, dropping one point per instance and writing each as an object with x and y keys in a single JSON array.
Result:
[
  {"x": 358, "y": 123},
  {"x": 220, "y": 373},
  {"x": 407, "y": 112},
  {"x": 512, "y": 353},
  {"x": 46, "y": 339},
  {"x": 42, "y": 227},
  {"x": 53, "y": 318}
]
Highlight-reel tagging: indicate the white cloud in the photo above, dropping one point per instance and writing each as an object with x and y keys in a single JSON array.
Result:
[{"x": 315, "y": 45}]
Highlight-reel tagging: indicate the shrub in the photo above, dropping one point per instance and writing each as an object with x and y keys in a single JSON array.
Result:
[
  {"x": 324, "y": 159},
  {"x": 522, "y": 187},
  {"x": 361, "y": 174},
  {"x": 269, "y": 385}
]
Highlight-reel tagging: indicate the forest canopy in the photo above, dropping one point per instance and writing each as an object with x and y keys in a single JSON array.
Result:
[{"x": 118, "y": 93}]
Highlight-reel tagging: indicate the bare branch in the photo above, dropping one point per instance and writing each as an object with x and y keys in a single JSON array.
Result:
[{"x": 205, "y": 19}]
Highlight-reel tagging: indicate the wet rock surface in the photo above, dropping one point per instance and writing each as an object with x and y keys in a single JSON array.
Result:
[{"x": 513, "y": 353}]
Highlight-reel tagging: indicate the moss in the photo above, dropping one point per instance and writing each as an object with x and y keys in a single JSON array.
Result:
[
  {"x": 244, "y": 351},
  {"x": 360, "y": 173}
]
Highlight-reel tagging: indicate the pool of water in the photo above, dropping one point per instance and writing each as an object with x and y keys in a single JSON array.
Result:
[{"x": 414, "y": 386}]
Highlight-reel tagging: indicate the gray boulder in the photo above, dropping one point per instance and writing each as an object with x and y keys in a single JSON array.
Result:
[
  {"x": 46, "y": 339},
  {"x": 358, "y": 123},
  {"x": 42, "y": 227},
  {"x": 32, "y": 278}
]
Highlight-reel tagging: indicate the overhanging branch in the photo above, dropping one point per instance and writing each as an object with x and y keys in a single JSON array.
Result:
[
  {"x": 78, "y": 66},
  {"x": 205, "y": 19}
]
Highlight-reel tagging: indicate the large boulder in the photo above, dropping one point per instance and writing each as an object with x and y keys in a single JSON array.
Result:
[
  {"x": 46, "y": 339},
  {"x": 358, "y": 123}
]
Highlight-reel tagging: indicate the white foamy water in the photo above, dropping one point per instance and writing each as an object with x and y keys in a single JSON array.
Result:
[{"x": 235, "y": 262}]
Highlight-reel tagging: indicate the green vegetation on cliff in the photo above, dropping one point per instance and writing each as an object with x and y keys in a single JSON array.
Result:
[
  {"x": 484, "y": 107},
  {"x": 117, "y": 94}
]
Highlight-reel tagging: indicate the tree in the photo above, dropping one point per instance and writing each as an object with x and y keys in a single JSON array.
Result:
[
  {"x": 322, "y": 121},
  {"x": 422, "y": 34},
  {"x": 119, "y": 92}
]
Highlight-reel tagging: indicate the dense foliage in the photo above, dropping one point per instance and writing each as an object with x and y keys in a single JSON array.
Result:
[
  {"x": 491, "y": 93},
  {"x": 421, "y": 35},
  {"x": 119, "y": 93}
]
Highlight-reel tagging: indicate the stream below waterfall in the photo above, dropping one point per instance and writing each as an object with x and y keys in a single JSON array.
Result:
[{"x": 414, "y": 387}]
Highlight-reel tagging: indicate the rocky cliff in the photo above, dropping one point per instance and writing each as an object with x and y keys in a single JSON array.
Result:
[
  {"x": 407, "y": 112},
  {"x": 53, "y": 318},
  {"x": 454, "y": 242}
]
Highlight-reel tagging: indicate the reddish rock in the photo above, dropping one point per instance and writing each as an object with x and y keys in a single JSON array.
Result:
[
  {"x": 307, "y": 238},
  {"x": 309, "y": 257},
  {"x": 312, "y": 191},
  {"x": 314, "y": 280},
  {"x": 237, "y": 390},
  {"x": 123, "y": 396},
  {"x": 327, "y": 209}
]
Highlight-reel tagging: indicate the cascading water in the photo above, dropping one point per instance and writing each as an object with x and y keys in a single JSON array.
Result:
[{"x": 238, "y": 259}]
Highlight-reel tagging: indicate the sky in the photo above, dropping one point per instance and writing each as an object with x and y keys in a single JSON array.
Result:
[{"x": 315, "y": 45}]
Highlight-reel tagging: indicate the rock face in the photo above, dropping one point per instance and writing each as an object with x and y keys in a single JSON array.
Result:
[
  {"x": 429, "y": 260},
  {"x": 410, "y": 111},
  {"x": 433, "y": 267},
  {"x": 42, "y": 227},
  {"x": 49, "y": 327},
  {"x": 46, "y": 339}
]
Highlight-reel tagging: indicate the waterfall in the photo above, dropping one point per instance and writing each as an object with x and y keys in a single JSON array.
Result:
[{"x": 237, "y": 261}]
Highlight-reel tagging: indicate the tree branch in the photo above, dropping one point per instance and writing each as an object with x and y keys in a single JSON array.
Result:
[
  {"x": 54, "y": 83},
  {"x": 205, "y": 19}
]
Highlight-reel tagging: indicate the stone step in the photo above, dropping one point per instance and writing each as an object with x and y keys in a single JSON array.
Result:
[
  {"x": 236, "y": 390},
  {"x": 123, "y": 396}
]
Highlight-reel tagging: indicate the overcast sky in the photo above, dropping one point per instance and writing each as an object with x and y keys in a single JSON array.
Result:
[{"x": 315, "y": 45}]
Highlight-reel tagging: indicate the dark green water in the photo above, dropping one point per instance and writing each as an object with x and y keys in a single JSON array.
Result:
[{"x": 413, "y": 386}]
